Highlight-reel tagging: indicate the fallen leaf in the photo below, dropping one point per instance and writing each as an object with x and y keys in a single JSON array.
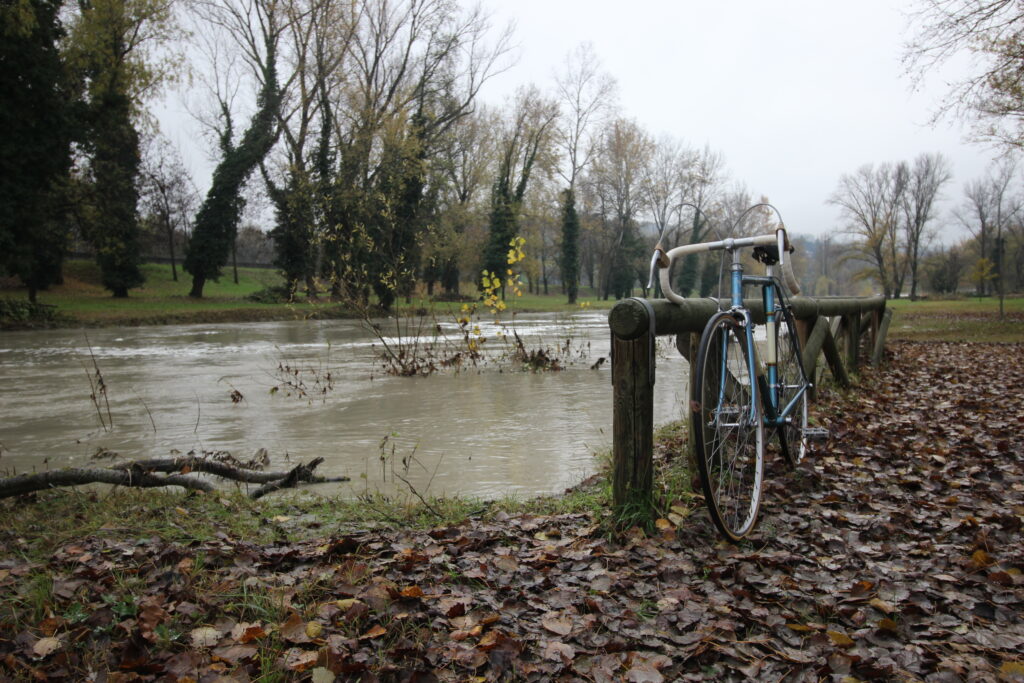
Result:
[
  {"x": 840, "y": 639},
  {"x": 888, "y": 625},
  {"x": 204, "y": 636},
  {"x": 322, "y": 675},
  {"x": 247, "y": 632},
  {"x": 881, "y": 605},
  {"x": 412, "y": 592},
  {"x": 45, "y": 647},
  {"x": 560, "y": 625},
  {"x": 297, "y": 659},
  {"x": 376, "y": 632},
  {"x": 294, "y": 629}
]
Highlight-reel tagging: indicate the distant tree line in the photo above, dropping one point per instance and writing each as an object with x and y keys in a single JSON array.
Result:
[{"x": 359, "y": 122}]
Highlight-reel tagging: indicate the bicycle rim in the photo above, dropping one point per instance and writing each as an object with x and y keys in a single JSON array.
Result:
[{"x": 728, "y": 429}]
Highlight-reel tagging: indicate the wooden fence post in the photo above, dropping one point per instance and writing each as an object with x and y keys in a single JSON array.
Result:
[
  {"x": 883, "y": 330},
  {"x": 632, "y": 424},
  {"x": 853, "y": 340}
]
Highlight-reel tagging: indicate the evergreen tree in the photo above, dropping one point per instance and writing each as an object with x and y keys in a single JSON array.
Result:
[
  {"x": 217, "y": 220},
  {"x": 35, "y": 117},
  {"x": 570, "y": 258},
  {"x": 294, "y": 247},
  {"x": 109, "y": 49},
  {"x": 502, "y": 224},
  {"x": 113, "y": 146}
]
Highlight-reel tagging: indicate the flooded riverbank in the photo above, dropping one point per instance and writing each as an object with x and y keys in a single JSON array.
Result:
[{"x": 486, "y": 431}]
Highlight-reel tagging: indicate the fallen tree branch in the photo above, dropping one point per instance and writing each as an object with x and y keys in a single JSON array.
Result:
[
  {"x": 297, "y": 475},
  {"x": 188, "y": 464},
  {"x": 172, "y": 472},
  {"x": 27, "y": 483}
]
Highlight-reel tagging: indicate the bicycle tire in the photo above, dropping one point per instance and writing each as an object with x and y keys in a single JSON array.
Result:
[
  {"x": 728, "y": 428},
  {"x": 791, "y": 377}
]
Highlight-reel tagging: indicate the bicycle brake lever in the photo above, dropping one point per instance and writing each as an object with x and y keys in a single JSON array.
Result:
[{"x": 658, "y": 259}]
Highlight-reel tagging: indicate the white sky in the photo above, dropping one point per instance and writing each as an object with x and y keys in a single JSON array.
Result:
[{"x": 793, "y": 93}]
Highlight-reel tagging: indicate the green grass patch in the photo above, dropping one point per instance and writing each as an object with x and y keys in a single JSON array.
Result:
[
  {"x": 967, "y": 320},
  {"x": 83, "y": 301}
]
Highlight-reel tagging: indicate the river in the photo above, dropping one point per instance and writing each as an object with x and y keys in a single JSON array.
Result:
[{"x": 485, "y": 431}]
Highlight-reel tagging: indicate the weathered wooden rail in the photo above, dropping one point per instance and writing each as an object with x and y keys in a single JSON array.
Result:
[{"x": 833, "y": 327}]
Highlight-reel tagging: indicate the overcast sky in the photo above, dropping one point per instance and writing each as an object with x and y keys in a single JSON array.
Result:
[{"x": 793, "y": 93}]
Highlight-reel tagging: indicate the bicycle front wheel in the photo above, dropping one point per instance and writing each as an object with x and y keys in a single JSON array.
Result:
[
  {"x": 728, "y": 429},
  {"x": 792, "y": 381}
]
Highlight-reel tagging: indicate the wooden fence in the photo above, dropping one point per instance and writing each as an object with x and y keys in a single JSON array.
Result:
[{"x": 833, "y": 327}]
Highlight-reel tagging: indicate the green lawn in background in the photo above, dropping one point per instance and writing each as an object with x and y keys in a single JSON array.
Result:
[
  {"x": 966, "y": 319},
  {"x": 82, "y": 300}
]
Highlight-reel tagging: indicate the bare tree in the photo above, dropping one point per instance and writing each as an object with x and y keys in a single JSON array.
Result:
[
  {"x": 990, "y": 209},
  {"x": 665, "y": 181},
  {"x": 524, "y": 147},
  {"x": 927, "y": 177},
  {"x": 616, "y": 181},
  {"x": 992, "y": 96},
  {"x": 870, "y": 200},
  {"x": 167, "y": 193},
  {"x": 703, "y": 184},
  {"x": 588, "y": 96}
]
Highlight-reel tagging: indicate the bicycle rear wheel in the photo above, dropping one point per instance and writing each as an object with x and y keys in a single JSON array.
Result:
[
  {"x": 728, "y": 430},
  {"x": 792, "y": 378}
]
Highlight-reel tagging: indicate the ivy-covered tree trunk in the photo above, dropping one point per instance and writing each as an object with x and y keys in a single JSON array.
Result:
[
  {"x": 35, "y": 134},
  {"x": 216, "y": 223},
  {"x": 570, "y": 261}
]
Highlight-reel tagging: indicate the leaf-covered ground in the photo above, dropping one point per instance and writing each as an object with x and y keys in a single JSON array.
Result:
[{"x": 893, "y": 553}]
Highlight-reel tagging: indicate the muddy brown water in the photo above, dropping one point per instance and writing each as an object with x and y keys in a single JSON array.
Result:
[{"x": 486, "y": 431}]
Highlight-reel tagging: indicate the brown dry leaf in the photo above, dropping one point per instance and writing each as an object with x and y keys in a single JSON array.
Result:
[
  {"x": 888, "y": 624},
  {"x": 322, "y": 675},
  {"x": 246, "y": 632},
  {"x": 294, "y": 629},
  {"x": 559, "y": 652},
  {"x": 204, "y": 636},
  {"x": 861, "y": 587},
  {"x": 412, "y": 592},
  {"x": 881, "y": 605},
  {"x": 980, "y": 558},
  {"x": 1012, "y": 670},
  {"x": 663, "y": 524},
  {"x": 233, "y": 654},
  {"x": 314, "y": 629},
  {"x": 45, "y": 647},
  {"x": 840, "y": 639},
  {"x": 376, "y": 632},
  {"x": 297, "y": 659},
  {"x": 506, "y": 563},
  {"x": 799, "y": 627},
  {"x": 561, "y": 625}
]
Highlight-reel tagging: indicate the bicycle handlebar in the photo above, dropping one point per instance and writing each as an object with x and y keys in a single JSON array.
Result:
[{"x": 662, "y": 260}]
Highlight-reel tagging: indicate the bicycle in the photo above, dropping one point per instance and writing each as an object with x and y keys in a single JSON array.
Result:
[{"x": 734, "y": 396}]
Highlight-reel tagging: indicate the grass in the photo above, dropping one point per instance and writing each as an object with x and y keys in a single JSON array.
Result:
[
  {"x": 82, "y": 300},
  {"x": 968, "y": 320}
]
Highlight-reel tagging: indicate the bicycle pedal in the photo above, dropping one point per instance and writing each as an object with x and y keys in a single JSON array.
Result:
[{"x": 815, "y": 433}]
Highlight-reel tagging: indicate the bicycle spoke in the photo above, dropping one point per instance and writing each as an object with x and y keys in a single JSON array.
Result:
[{"x": 730, "y": 433}]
